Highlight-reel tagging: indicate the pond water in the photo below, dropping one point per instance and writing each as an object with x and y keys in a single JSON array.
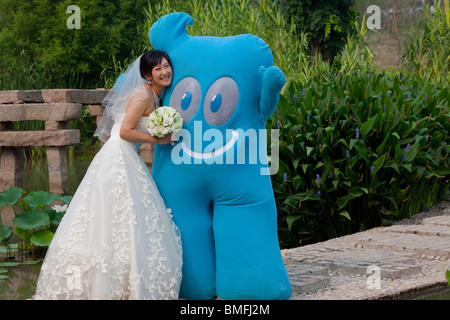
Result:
[
  {"x": 19, "y": 274},
  {"x": 441, "y": 295},
  {"x": 36, "y": 173}
]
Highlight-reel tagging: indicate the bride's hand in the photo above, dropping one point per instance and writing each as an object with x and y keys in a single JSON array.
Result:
[{"x": 164, "y": 140}]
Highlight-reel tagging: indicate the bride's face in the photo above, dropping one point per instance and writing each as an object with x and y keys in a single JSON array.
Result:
[{"x": 162, "y": 74}]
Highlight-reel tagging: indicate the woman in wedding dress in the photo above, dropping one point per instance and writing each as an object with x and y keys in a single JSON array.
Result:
[{"x": 117, "y": 239}]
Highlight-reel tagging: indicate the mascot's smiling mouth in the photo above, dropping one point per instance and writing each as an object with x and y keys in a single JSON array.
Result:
[{"x": 216, "y": 152}]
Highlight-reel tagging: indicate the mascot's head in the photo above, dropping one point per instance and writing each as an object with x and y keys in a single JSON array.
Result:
[{"x": 216, "y": 85}]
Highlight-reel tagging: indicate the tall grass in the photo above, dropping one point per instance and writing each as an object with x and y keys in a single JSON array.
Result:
[
  {"x": 232, "y": 17},
  {"x": 21, "y": 73},
  {"x": 428, "y": 49}
]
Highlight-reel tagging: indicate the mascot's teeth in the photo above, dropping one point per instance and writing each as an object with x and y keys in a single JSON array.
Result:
[{"x": 215, "y": 153}]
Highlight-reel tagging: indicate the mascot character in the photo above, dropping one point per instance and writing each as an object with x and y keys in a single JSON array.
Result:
[{"x": 215, "y": 176}]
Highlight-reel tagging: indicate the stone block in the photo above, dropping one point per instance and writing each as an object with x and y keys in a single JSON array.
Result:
[
  {"x": 14, "y": 96},
  {"x": 96, "y": 110},
  {"x": 57, "y": 125},
  {"x": 40, "y": 112},
  {"x": 88, "y": 96},
  {"x": 49, "y": 138}
]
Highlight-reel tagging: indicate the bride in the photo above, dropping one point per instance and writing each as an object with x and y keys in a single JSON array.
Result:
[{"x": 117, "y": 239}]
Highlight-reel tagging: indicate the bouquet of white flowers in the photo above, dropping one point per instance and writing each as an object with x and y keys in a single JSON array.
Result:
[{"x": 164, "y": 120}]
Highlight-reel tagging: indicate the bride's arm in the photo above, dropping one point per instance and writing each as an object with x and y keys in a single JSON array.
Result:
[{"x": 128, "y": 129}]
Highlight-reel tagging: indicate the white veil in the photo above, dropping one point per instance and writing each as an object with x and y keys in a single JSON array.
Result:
[{"x": 116, "y": 100}]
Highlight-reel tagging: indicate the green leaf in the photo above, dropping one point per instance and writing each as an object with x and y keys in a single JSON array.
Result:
[
  {"x": 393, "y": 165},
  {"x": 22, "y": 233},
  {"x": 65, "y": 199},
  {"x": 447, "y": 276},
  {"x": 356, "y": 192},
  {"x": 345, "y": 214},
  {"x": 9, "y": 264},
  {"x": 30, "y": 220},
  {"x": 342, "y": 201},
  {"x": 305, "y": 167},
  {"x": 54, "y": 217},
  {"x": 379, "y": 162},
  {"x": 407, "y": 166},
  {"x": 291, "y": 202},
  {"x": 441, "y": 171},
  {"x": 367, "y": 126},
  {"x": 5, "y": 234},
  {"x": 352, "y": 143},
  {"x": 10, "y": 196},
  {"x": 290, "y": 220},
  {"x": 42, "y": 238},
  {"x": 37, "y": 199}
]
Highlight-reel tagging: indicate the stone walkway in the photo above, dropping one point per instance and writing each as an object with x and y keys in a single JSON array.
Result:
[{"x": 395, "y": 262}]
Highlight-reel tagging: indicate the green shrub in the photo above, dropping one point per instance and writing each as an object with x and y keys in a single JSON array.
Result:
[
  {"x": 357, "y": 150},
  {"x": 327, "y": 22},
  {"x": 35, "y": 33}
]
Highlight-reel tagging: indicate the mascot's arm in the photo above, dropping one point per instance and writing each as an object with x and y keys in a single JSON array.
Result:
[{"x": 273, "y": 81}]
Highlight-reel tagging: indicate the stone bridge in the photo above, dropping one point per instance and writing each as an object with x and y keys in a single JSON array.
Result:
[{"x": 57, "y": 107}]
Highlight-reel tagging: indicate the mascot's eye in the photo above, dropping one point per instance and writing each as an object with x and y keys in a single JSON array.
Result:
[
  {"x": 221, "y": 101},
  {"x": 186, "y": 98}
]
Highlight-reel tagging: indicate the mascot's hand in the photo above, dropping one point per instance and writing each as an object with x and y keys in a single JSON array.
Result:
[{"x": 273, "y": 81}]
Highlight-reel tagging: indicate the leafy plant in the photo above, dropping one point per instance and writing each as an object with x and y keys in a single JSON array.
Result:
[
  {"x": 358, "y": 150},
  {"x": 327, "y": 23},
  {"x": 35, "y": 222},
  {"x": 35, "y": 34}
]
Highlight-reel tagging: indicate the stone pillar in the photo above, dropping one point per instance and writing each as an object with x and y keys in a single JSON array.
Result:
[
  {"x": 146, "y": 152},
  {"x": 57, "y": 162},
  {"x": 12, "y": 166},
  {"x": 12, "y": 163},
  {"x": 57, "y": 170}
]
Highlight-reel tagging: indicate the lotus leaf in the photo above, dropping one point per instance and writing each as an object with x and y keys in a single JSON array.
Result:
[
  {"x": 30, "y": 220},
  {"x": 42, "y": 238},
  {"x": 38, "y": 199},
  {"x": 10, "y": 196}
]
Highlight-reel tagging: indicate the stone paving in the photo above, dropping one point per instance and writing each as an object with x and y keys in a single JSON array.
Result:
[{"x": 395, "y": 262}]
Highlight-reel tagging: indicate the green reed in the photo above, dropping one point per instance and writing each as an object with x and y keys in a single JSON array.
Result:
[{"x": 427, "y": 51}]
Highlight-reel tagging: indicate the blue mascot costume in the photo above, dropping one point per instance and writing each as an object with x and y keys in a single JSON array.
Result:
[{"x": 215, "y": 177}]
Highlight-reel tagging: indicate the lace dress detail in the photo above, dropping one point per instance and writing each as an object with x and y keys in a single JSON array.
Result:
[{"x": 117, "y": 239}]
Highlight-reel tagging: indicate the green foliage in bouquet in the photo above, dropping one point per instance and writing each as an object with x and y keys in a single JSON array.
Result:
[
  {"x": 35, "y": 222},
  {"x": 357, "y": 151}
]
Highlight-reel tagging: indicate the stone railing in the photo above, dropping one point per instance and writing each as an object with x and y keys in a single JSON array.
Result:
[{"x": 56, "y": 107}]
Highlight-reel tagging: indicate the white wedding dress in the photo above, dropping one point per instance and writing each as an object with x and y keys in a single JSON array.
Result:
[{"x": 117, "y": 239}]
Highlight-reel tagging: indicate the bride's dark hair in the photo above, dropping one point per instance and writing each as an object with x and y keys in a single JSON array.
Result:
[{"x": 151, "y": 59}]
